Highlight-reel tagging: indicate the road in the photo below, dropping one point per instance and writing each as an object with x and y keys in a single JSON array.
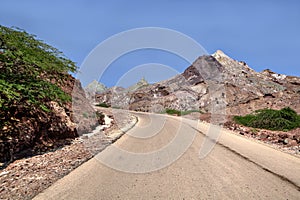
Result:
[{"x": 159, "y": 159}]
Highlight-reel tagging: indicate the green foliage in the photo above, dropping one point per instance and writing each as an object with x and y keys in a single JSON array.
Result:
[
  {"x": 116, "y": 107},
  {"x": 254, "y": 130},
  {"x": 17, "y": 46},
  {"x": 282, "y": 120},
  {"x": 85, "y": 115},
  {"x": 173, "y": 112},
  {"x": 178, "y": 112},
  {"x": 104, "y": 105},
  {"x": 30, "y": 72},
  {"x": 100, "y": 115}
]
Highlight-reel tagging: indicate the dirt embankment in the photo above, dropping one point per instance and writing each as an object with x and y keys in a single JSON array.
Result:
[
  {"x": 25, "y": 178},
  {"x": 36, "y": 131}
]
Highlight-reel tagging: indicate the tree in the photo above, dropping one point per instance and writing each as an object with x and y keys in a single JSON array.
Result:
[{"x": 30, "y": 72}]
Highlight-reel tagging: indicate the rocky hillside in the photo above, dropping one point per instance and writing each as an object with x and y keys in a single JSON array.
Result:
[
  {"x": 95, "y": 88},
  {"x": 141, "y": 83},
  {"x": 36, "y": 90},
  {"x": 243, "y": 89}
]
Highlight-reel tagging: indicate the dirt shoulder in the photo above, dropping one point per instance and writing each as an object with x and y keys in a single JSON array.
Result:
[
  {"x": 288, "y": 142},
  {"x": 25, "y": 178}
]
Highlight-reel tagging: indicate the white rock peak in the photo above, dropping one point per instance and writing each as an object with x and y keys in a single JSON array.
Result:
[{"x": 219, "y": 53}]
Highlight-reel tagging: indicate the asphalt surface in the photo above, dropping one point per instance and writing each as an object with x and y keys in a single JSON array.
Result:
[{"x": 165, "y": 157}]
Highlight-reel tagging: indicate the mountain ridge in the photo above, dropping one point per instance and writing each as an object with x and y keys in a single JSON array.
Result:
[{"x": 246, "y": 90}]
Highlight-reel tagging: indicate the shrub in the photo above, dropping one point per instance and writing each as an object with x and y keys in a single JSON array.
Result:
[
  {"x": 104, "y": 105},
  {"x": 173, "y": 112},
  {"x": 282, "y": 120},
  {"x": 178, "y": 112}
]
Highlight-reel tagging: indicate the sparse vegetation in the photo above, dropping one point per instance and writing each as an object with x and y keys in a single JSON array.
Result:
[
  {"x": 85, "y": 115},
  {"x": 116, "y": 107},
  {"x": 282, "y": 120},
  {"x": 104, "y": 105},
  {"x": 173, "y": 112},
  {"x": 178, "y": 112},
  {"x": 254, "y": 130}
]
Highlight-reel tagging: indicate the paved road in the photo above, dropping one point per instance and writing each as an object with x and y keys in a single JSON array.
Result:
[{"x": 163, "y": 153}]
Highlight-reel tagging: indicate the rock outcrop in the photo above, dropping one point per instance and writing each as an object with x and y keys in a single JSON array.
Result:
[
  {"x": 37, "y": 131},
  {"x": 41, "y": 104},
  {"x": 243, "y": 89}
]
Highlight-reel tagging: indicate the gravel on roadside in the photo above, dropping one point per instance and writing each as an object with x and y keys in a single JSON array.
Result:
[
  {"x": 25, "y": 178},
  {"x": 274, "y": 139}
]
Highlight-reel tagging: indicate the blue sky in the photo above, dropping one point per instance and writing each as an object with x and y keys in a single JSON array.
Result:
[{"x": 264, "y": 34}]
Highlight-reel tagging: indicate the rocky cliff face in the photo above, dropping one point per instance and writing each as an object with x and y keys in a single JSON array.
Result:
[
  {"x": 37, "y": 111},
  {"x": 243, "y": 89},
  {"x": 247, "y": 90},
  {"x": 36, "y": 131}
]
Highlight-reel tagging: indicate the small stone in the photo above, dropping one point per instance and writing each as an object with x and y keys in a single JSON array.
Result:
[
  {"x": 286, "y": 141},
  {"x": 4, "y": 173},
  {"x": 292, "y": 143},
  {"x": 264, "y": 136},
  {"x": 84, "y": 137}
]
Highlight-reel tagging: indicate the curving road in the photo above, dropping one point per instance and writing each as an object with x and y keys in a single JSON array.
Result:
[{"x": 159, "y": 159}]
